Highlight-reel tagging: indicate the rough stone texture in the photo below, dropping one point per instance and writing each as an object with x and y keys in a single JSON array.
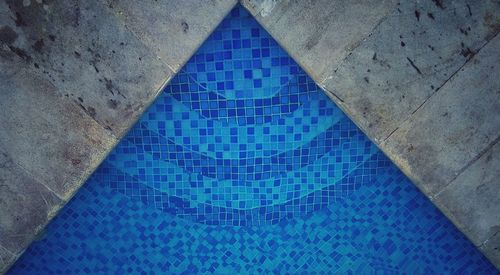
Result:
[
  {"x": 50, "y": 137},
  {"x": 453, "y": 127},
  {"x": 409, "y": 56},
  {"x": 26, "y": 204},
  {"x": 89, "y": 55},
  {"x": 476, "y": 188},
  {"x": 491, "y": 249},
  {"x": 171, "y": 28},
  {"x": 319, "y": 34},
  {"x": 6, "y": 257}
]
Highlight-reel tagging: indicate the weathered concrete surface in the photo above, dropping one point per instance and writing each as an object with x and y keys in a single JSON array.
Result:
[
  {"x": 6, "y": 257},
  {"x": 26, "y": 205},
  {"x": 407, "y": 59},
  {"x": 89, "y": 55},
  {"x": 421, "y": 78},
  {"x": 49, "y": 146},
  {"x": 49, "y": 136},
  {"x": 491, "y": 248},
  {"x": 74, "y": 76},
  {"x": 454, "y": 126},
  {"x": 478, "y": 213},
  {"x": 171, "y": 28},
  {"x": 319, "y": 34}
]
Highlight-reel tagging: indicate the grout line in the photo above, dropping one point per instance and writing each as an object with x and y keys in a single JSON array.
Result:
[
  {"x": 149, "y": 50},
  {"x": 136, "y": 36},
  {"x": 62, "y": 100},
  {"x": 30, "y": 174},
  {"x": 488, "y": 239},
  {"x": 467, "y": 165},
  {"x": 176, "y": 67},
  {"x": 437, "y": 90},
  {"x": 256, "y": 207},
  {"x": 6, "y": 250},
  {"x": 390, "y": 12}
]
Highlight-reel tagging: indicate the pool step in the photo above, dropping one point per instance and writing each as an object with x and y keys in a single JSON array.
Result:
[
  {"x": 422, "y": 81},
  {"x": 68, "y": 95},
  {"x": 132, "y": 155},
  {"x": 74, "y": 78}
]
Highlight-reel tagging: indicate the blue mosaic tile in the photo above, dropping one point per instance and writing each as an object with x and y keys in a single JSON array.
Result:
[
  {"x": 240, "y": 60},
  {"x": 174, "y": 121},
  {"x": 243, "y": 165},
  {"x": 246, "y": 166},
  {"x": 212, "y": 105},
  {"x": 385, "y": 227}
]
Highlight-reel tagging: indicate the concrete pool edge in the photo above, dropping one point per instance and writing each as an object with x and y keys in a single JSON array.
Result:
[{"x": 155, "y": 54}]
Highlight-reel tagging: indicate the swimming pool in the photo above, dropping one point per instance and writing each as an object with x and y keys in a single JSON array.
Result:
[{"x": 243, "y": 165}]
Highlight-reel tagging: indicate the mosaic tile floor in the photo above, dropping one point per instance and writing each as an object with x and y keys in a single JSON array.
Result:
[{"x": 243, "y": 165}]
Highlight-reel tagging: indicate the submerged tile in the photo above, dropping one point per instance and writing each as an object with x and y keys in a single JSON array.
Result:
[{"x": 243, "y": 165}]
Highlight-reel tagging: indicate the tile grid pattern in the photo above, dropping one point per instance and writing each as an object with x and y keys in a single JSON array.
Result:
[
  {"x": 241, "y": 136},
  {"x": 387, "y": 226},
  {"x": 244, "y": 165}
]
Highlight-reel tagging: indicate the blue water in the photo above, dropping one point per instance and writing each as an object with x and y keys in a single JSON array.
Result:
[{"x": 243, "y": 165}]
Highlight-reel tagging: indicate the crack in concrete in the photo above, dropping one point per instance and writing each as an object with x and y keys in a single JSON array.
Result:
[
  {"x": 333, "y": 93},
  {"x": 437, "y": 89},
  {"x": 360, "y": 42},
  {"x": 468, "y": 164},
  {"x": 5, "y": 264},
  {"x": 413, "y": 65},
  {"x": 32, "y": 176},
  {"x": 488, "y": 239}
]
